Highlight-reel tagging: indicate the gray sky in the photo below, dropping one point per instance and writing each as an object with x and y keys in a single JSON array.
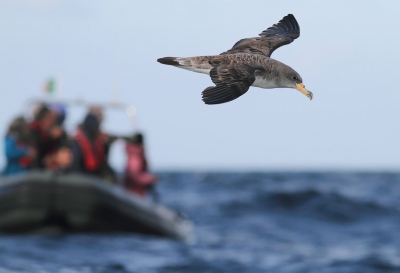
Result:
[{"x": 347, "y": 54}]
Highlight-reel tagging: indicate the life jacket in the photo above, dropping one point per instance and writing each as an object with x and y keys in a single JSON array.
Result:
[
  {"x": 25, "y": 161},
  {"x": 93, "y": 153}
]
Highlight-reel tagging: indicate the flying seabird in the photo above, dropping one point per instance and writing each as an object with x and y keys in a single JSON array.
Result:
[{"x": 246, "y": 64}]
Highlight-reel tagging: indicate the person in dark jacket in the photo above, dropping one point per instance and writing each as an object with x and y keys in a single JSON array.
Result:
[
  {"x": 57, "y": 131},
  {"x": 44, "y": 144},
  {"x": 61, "y": 156},
  {"x": 19, "y": 153}
]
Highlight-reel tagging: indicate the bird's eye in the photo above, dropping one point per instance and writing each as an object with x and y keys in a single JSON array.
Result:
[{"x": 295, "y": 78}]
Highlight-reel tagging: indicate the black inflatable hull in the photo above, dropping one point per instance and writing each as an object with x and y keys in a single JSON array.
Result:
[{"x": 44, "y": 201}]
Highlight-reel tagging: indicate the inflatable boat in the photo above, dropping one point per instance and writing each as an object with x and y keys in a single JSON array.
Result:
[{"x": 39, "y": 202}]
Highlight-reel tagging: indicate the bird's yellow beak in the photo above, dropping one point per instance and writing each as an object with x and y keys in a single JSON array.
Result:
[{"x": 302, "y": 89}]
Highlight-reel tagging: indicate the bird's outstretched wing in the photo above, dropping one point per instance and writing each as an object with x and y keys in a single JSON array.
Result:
[
  {"x": 283, "y": 33},
  {"x": 231, "y": 79}
]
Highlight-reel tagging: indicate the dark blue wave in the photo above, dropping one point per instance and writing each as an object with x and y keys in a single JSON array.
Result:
[
  {"x": 311, "y": 203},
  {"x": 369, "y": 264}
]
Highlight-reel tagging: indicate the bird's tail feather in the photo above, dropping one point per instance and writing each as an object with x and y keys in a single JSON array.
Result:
[
  {"x": 169, "y": 61},
  {"x": 195, "y": 64}
]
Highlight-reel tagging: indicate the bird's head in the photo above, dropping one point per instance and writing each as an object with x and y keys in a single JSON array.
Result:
[{"x": 291, "y": 79}]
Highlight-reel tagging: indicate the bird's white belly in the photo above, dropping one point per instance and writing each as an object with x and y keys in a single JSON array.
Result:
[{"x": 263, "y": 83}]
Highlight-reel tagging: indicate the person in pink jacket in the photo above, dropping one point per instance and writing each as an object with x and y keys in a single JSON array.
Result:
[{"x": 138, "y": 179}]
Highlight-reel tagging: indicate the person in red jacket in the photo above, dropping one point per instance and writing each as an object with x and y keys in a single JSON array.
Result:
[
  {"x": 137, "y": 177},
  {"x": 88, "y": 147},
  {"x": 90, "y": 150}
]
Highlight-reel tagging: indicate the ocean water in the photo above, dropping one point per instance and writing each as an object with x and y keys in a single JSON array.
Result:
[{"x": 244, "y": 222}]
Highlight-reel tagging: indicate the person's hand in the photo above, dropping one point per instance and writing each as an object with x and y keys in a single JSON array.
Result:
[
  {"x": 63, "y": 157},
  {"x": 56, "y": 132},
  {"x": 32, "y": 153},
  {"x": 155, "y": 178},
  {"x": 111, "y": 138}
]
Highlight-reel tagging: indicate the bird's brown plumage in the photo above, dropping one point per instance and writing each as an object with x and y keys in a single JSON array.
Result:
[
  {"x": 283, "y": 33},
  {"x": 247, "y": 63}
]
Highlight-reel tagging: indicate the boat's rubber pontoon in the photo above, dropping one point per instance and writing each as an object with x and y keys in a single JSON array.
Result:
[{"x": 40, "y": 201}]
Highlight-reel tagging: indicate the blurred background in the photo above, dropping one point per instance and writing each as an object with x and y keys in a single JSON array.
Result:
[
  {"x": 273, "y": 182},
  {"x": 100, "y": 51}
]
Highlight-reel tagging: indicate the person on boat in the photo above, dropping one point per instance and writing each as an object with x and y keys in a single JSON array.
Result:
[
  {"x": 89, "y": 150},
  {"x": 137, "y": 177},
  {"x": 57, "y": 131},
  {"x": 19, "y": 153},
  {"x": 97, "y": 111},
  {"x": 41, "y": 136},
  {"x": 108, "y": 139},
  {"x": 61, "y": 158}
]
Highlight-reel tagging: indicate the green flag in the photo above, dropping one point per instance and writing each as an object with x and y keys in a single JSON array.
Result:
[{"x": 50, "y": 86}]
